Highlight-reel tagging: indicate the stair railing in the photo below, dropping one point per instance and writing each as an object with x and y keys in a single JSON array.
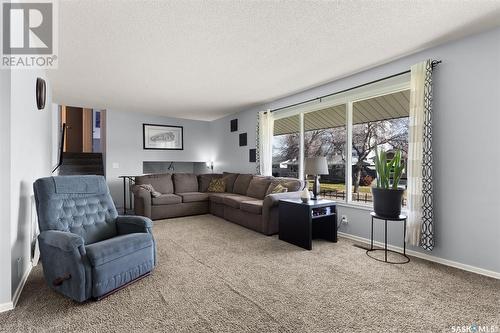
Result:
[{"x": 61, "y": 147}]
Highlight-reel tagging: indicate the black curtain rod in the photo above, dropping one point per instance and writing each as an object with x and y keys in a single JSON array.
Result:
[{"x": 433, "y": 64}]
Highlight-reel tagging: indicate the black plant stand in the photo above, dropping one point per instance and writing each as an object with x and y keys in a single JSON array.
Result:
[{"x": 402, "y": 218}]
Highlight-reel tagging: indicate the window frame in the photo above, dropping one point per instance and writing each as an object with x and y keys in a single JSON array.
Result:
[{"x": 348, "y": 98}]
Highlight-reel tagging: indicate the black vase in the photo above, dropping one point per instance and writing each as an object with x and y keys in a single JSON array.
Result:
[{"x": 387, "y": 202}]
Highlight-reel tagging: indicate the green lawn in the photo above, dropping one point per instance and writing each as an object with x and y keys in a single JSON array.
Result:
[{"x": 340, "y": 187}]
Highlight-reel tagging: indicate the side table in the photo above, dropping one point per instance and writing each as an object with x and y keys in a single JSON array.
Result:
[
  {"x": 300, "y": 222},
  {"x": 400, "y": 218}
]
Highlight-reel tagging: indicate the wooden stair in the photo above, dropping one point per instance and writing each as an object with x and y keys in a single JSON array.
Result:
[{"x": 81, "y": 164}]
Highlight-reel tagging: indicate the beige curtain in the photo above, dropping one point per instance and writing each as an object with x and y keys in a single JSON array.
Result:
[
  {"x": 264, "y": 154},
  {"x": 419, "y": 191}
]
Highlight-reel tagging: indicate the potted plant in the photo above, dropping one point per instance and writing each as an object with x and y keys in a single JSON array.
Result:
[{"x": 387, "y": 196}]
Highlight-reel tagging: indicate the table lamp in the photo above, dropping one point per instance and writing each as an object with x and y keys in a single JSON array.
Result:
[{"x": 316, "y": 166}]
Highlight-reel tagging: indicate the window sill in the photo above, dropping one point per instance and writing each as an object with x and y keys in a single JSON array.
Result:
[
  {"x": 368, "y": 208},
  {"x": 355, "y": 206}
]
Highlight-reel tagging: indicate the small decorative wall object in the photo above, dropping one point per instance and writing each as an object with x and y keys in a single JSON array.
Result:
[
  {"x": 234, "y": 125},
  {"x": 41, "y": 92},
  {"x": 253, "y": 155},
  {"x": 210, "y": 165},
  {"x": 164, "y": 137},
  {"x": 243, "y": 139}
]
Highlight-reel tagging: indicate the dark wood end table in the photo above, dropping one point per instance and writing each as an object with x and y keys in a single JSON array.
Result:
[{"x": 300, "y": 222}]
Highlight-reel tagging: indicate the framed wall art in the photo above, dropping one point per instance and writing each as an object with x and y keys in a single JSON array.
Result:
[{"x": 164, "y": 137}]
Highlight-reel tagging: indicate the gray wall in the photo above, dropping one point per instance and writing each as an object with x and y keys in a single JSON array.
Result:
[
  {"x": 466, "y": 153},
  {"x": 124, "y": 145},
  {"x": 31, "y": 158},
  {"x": 227, "y": 154},
  {"x": 26, "y": 150},
  {"x": 5, "y": 284}
]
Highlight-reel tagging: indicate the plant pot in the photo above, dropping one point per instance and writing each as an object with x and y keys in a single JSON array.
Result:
[{"x": 387, "y": 202}]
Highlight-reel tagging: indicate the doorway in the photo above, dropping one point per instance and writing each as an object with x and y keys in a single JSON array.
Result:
[{"x": 83, "y": 129}]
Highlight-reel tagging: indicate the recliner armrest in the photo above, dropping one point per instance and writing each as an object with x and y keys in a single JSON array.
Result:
[
  {"x": 64, "y": 241},
  {"x": 127, "y": 224}
]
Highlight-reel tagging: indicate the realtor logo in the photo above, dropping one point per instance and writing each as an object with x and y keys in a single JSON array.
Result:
[{"x": 29, "y": 38}]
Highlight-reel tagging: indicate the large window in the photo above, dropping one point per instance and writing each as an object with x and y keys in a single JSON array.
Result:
[
  {"x": 346, "y": 130},
  {"x": 286, "y": 147},
  {"x": 325, "y": 135},
  {"x": 377, "y": 122}
]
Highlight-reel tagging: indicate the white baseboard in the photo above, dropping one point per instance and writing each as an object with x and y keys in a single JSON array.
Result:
[
  {"x": 473, "y": 269},
  {"x": 20, "y": 287},
  {"x": 6, "y": 306},
  {"x": 10, "y": 305}
]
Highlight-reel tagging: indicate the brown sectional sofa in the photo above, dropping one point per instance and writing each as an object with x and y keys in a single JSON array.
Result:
[{"x": 247, "y": 199}]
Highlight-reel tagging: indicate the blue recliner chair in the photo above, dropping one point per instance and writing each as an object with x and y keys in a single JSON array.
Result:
[{"x": 87, "y": 250}]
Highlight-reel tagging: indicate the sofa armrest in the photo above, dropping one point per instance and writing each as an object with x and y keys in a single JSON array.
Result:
[
  {"x": 127, "y": 224},
  {"x": 270, "y": 212},
  {"x": 64, "y": 241},
  {"x": 273, "y": 199},
  {"x": 142, "y": 201}
]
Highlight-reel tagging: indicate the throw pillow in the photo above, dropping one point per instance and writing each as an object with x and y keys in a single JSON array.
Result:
[
  {"x": 279, "y": 189},
  {"x": 217, "y": 185},
  {"x": 150, "y": 189}
]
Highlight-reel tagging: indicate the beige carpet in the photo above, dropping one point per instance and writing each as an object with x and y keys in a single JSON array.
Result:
[{"x": 215, "y": 276}]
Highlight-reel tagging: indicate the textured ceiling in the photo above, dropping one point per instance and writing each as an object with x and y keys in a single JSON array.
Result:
[{"x": 207, "y": 59}]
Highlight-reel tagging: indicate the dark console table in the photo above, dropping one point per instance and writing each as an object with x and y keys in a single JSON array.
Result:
[
  {"x": 126, "y": 189},
  {"x": 300, "y": 222}
]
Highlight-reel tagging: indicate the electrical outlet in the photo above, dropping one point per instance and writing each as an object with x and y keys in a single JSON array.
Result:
[
  {"x": 19, "y": 267},
  {"x": 344, "y": 219},
  {"x": 116, "y": 165}
]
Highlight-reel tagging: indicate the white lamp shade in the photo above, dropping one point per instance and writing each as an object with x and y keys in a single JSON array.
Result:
[{"x": 316, "y": 166}]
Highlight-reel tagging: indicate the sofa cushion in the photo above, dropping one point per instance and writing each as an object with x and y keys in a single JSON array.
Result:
[
  {"x": 253, "y": 206},
  {"x": 235, "y": 200},
  {"x": 193, "y": 196},
  {"x": 218, "y": 197},
  {"x": 102, "y": 252},
  {"x": 204, "y": 180},
  {"x": 167, "y": 199},
  {"x": 161, "y": 182},
  {"x": 217, "y": 185},
  {"x": 185, "y": 182},
  {"x": 241, "y": 183},
  {"x": 258, "y": 187},
  {"x": 229, "y": 179}
]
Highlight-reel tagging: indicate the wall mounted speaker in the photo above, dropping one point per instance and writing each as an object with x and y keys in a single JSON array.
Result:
[
  {"x": 41, "y": 92},
  {"x": 234, "y": 125},
  {"x": 252, "y": 156},
  {"x": 243, "y": 139}
]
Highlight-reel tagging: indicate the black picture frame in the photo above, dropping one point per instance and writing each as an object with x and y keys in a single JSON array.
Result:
[
  {"x": 252, "y": 155},
  {"x": 147, "y": 128},
  {"x": 243, "y": 139},
  {"x": 234, "y": 125}
]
